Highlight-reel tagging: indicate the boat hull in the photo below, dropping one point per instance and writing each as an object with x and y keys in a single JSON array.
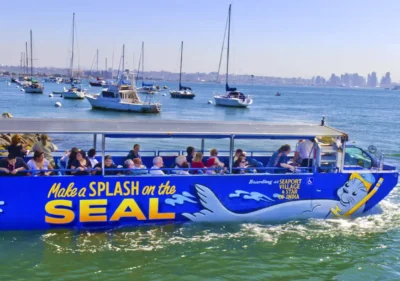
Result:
[
  {"x": 91, "y": 202},
  {"x": 30, "y": 90},
  {"x": 121, "y": 106},
  {"x": 180, "y": 95},
  {"x": 230, "y": 102},
  {"x": 74, "y": 95},
  {"x": 96, "y": 84}
]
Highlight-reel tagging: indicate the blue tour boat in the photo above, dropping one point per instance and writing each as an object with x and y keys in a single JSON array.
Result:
[{"x": 343, "y": 180}]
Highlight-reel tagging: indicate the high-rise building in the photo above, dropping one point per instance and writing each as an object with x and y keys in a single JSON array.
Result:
[
  {"x": 334, "y": 80},
  {"x": 372, "y": 80},
  {"x": 386, "y": 80}
]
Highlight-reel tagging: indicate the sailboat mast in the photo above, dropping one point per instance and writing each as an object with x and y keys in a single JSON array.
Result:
[
  {"x": 97, "y": 61},
  {"x": 26, "y": 57},
  {"x": 105, "y": 69},
  {"x": 73, "y": 43},
  {"x": 123, "y": 59},
  {"x": 142, "y": 61},
  {"x": 20, "y": 67},
  {"x": 31, "y": 56},
  {"x": 180, "y": 70},
  {"x": 229, "y": 36}
]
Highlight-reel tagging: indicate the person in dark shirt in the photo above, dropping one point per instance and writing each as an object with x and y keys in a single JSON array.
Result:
[
  {"x": 13, "y": 166},
  {"x": 134, "y": 153},
  {"x": 109, "y": 167},
  {"x": 190, "y": 153},
  {"x": 279, "y": 160},
  {"x": 81, "y": 165},
  {"x": 16, "y": 148}
]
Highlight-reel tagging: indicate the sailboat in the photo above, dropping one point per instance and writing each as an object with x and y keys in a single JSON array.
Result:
[
  {"x": 122, "y": 97},
  {"x": 34, "y": 87},
  {"x": 74, "y": 92},
  {"x": 146, "y": 87},
  {"x": 99, "y": 82},
  {"x": 184, "y": 92},
  {"x": 232, "y": 98}
]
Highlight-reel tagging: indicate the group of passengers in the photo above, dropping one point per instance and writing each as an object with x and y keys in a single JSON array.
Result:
[{"x": 77, "y": 162}]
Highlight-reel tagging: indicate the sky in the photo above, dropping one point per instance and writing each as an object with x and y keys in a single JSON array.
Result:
[{"x": 286, "y": 38}]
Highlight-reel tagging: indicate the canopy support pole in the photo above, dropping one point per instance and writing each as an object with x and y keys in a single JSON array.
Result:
[
  {"x": 103, "y": 148},
  {"x": 231, "y": 147},
  {"x": 94, "y": 141},
  {"x": 202, "y": 146}
]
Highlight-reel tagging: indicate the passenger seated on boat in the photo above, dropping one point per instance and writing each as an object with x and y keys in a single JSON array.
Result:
[
  {"x": 39, "y": 165},
  {"x": 241, "y": 166},
  {"x": 135, "y": 167},
  {"x": 157, "y": 165},
  {"x": 197, "y": 162},
  {"x": 185, "y": 167},
  {"x": 190, "y": 154},
  {"x": 17, "y": 148},
  {"x": 81, "y": 165},
  {"x": 68, "y": 158},
  {"x": 179, "y": 161},
  {"x": 279, "y": 160},
  {"x": 251, "y": 162},
  {"x": 109, "y": 167},
  {"x": 134, "y": 153},
  {"x": 13, "y": 166},
  {"x": 47, "y": 147},
  {"x": 92, "y": 157},
  {"x": 219, "y": 167}
]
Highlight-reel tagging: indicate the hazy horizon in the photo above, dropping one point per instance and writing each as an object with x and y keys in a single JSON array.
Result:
[{"x": 286, "y": 38}]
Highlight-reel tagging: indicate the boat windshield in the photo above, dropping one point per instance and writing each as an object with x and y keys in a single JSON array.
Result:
[{"x": 357, "y": 157}]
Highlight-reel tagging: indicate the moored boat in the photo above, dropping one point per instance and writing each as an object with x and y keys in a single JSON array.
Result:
[
  {"x": 147, "y": 88},
  {"x": 73, "y": 92},
  {"x": 33, "y": 86},
  {"x": 100, "y": 82},
  {"x": 343, "y": 181},
  {"x": 183, "y": 92},
  {"x": 232, "y": 98},
  {"x": 122, "y": 97}
]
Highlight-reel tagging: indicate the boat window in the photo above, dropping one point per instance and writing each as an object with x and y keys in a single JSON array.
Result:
[
  {"x": 356, "y": 156},
  {"x": 108, "y": 94}
]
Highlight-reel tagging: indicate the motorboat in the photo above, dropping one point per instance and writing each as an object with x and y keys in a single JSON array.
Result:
[
  {"x": 122, "y": 97},
  {"x": 183, "y": 92},
  {"x": 342, "y": 182}
]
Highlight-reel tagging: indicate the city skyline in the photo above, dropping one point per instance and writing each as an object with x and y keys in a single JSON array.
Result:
[{"x": 285, "y": 39}]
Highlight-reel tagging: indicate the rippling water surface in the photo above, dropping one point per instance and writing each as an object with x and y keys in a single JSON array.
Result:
[{"x": 365, "y": 248}]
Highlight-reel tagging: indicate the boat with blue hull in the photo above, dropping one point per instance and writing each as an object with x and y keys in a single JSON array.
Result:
[{"x": 343, "y": 180}]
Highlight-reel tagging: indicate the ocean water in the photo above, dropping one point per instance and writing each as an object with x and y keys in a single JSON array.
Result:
[{"x": 365, "y": 248}]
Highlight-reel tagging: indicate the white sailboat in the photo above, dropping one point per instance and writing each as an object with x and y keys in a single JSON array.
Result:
[
  {"x": 73, "y": 92},
  {"x": 33, "y": 87},
  {"x": 146, "y": 87},
  {"x": 183, "y": 92},
  {"x": 232, "y": 98},
  {"x": 122, "y": 97}
]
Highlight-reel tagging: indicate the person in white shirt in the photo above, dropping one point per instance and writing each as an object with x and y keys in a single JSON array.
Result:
[
  {"x": 304, "y": 154},
  {"x": 157, "y": 165},
  {"x": 92, "y": 157}
]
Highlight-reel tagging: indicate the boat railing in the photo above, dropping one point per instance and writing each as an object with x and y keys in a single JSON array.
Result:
[
  {"x": 167, "y": 171},
  {"x": 167, "y": 152}
]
